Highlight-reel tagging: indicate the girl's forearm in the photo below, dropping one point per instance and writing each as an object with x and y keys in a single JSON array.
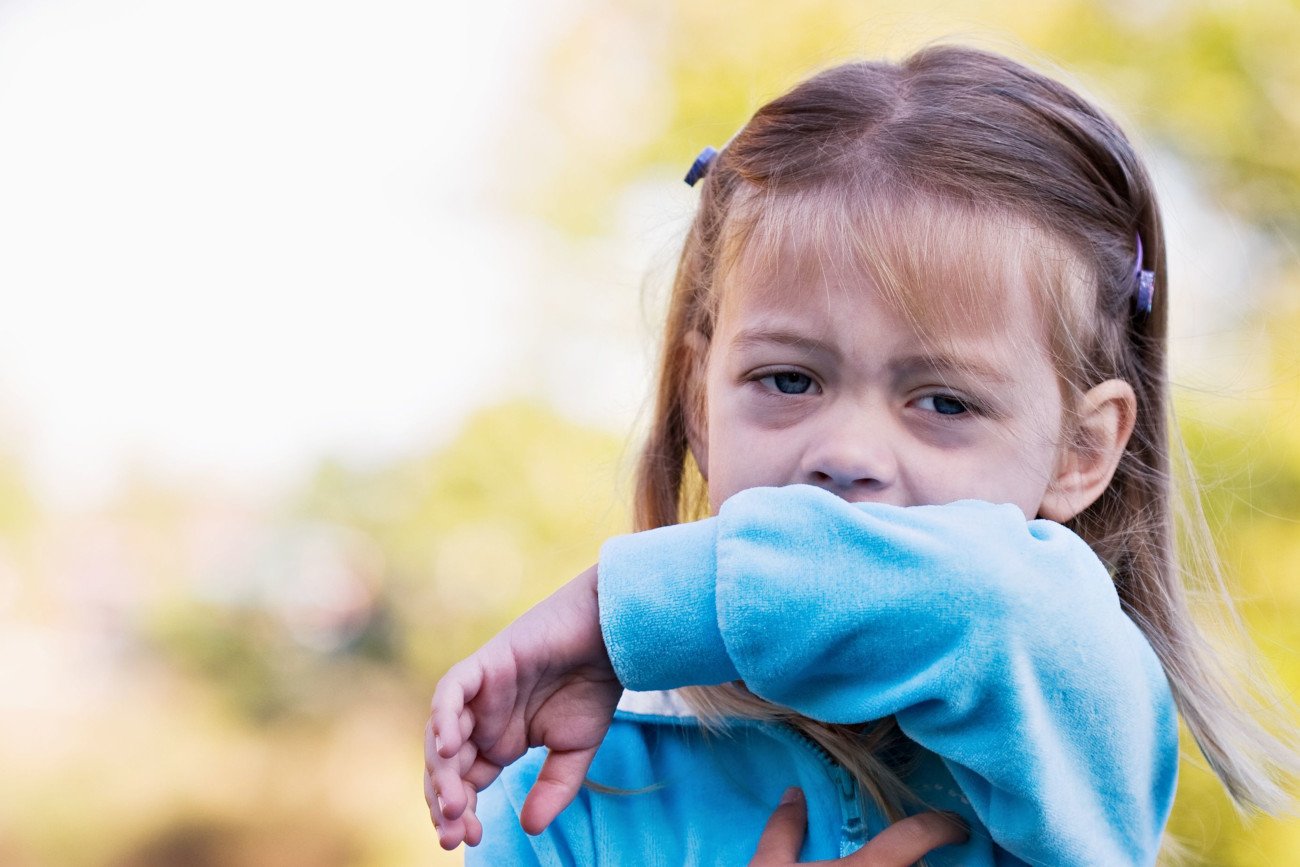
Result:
[{"x": 998, "y": 645}]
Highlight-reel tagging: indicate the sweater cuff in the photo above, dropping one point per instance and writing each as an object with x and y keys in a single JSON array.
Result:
[{"x": 658, "y": 607}]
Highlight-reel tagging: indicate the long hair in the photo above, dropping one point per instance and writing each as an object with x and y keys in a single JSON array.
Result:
[{"x": 972, "y": 152}]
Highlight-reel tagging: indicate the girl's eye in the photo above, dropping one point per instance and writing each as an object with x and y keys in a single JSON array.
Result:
[
  {"x": 944, "y": 404},
  {"x": 789, "y": 382}
]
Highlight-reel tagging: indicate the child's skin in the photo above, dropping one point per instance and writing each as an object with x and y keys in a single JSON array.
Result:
[
  {"x": 810, "y": 377},
  {"x": 839, "y": 393}
]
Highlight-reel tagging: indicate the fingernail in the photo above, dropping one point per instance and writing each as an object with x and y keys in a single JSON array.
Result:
[{"x": 791, "y": 795}]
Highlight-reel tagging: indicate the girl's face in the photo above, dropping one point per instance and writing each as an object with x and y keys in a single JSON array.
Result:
[{"x": 812, "y": 378}]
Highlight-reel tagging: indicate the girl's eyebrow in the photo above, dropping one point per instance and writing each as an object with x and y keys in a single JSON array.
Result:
[
  {"x": 751, "y": 337},
  {"x": 941, "y": 364}
]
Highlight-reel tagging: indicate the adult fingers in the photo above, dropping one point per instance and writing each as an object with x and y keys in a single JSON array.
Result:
[
  {"x": 908, "y": 840},
  {"x": 559, "y": 780},
  {"x": 783, "y": 834}
]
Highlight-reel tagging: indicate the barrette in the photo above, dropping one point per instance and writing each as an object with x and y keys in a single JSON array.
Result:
[
  {"x": 700, "y": 167},
  {"x": 1144, "y": 283}
]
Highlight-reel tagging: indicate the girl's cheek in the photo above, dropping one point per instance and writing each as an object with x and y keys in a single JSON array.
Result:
[
  {"x": 947, "y": 435},
  {"x": 764, "y": 410},
  {"x": 752, "y": 456}
]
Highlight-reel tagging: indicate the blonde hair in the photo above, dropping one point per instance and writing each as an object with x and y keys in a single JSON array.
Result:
[{"x": 970, "y": 148}]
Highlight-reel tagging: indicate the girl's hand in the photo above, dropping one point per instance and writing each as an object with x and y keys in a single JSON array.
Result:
[
  {"x": 545, "y": 680},
  {"x": 900, "y": 845}
]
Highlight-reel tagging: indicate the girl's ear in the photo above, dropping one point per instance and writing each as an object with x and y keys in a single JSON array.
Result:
[
  {"x": 697, "y": 346},
  {"x": 1103, "y": 422}
]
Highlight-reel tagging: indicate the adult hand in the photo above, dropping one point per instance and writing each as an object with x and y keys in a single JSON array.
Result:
[{"x": 900, "y": 845}]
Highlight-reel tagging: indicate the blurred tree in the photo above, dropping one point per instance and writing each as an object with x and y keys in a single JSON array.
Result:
[
  {"x": 261, "y": 737},
  {"x": 202, "y": 842},
  {"x": 475, "y": 531},
  {"x": 465, "y": 537},
  {"x": 633, "y": 86}
]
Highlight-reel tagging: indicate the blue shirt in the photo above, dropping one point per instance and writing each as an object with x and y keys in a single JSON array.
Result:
[{"x": 1040, "y": 712}]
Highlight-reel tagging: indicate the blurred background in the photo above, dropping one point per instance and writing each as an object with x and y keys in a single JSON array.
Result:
[{"x": 326, "y": 333}]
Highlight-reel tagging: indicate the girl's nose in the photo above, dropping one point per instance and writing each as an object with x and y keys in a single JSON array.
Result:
[{"x": 854, "y": 454}]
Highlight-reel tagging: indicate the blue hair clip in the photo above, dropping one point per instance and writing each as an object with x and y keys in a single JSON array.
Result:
[
  {"x": 700, "y": 167},
  {"x": 1144, "y": 283},
  {"x": 1146, "y": 291}
]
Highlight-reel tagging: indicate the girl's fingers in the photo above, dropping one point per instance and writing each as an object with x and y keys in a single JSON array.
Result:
[
  {"x": 466, "y": 758},
  {"x": 481, "y": 773},
  {"x": 559, "y": 780},
  {"x": 473, "y": 827},
  {"x": 435, "y": 812},
  {"x": 495, "y": 704},
  {"x": 457, "y": 687},
  {"x": 448, "y": 698},
  {"x": 448, "y": 779},
  {"x": 430, "y": 746},
  {"x": 433, "y": 745},
  {"x": 442, "y": 777},
  {"x": 451, "y": 832}
]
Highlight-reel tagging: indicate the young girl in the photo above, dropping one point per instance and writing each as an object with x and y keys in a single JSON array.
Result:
[{"x": 915, "y": 362}]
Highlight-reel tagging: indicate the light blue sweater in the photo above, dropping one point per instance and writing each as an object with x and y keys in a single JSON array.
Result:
[{"x": 1042, "y": 714}]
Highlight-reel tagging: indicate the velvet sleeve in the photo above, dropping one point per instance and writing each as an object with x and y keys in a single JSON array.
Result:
[{"x": 998, "y": 644}]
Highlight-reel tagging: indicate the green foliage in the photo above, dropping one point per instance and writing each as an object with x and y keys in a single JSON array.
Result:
[
  {"x": 633, "y": 87},
  {"x": 475, "y": 531},
  {"x": 1215, "y": 81},
  {"x": 466, "y": 537},
  {"x": 1247, "y": 455},
  {"x": 240, "y": 652}
]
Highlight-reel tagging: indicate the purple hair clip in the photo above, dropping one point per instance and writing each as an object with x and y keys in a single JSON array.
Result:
[
  {"x": 1144, "y": 283},
  {"x": 700, "y": 167}
]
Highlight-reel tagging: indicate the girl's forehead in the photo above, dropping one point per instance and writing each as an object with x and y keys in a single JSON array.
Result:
[{"x": 948, "y": 272}]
